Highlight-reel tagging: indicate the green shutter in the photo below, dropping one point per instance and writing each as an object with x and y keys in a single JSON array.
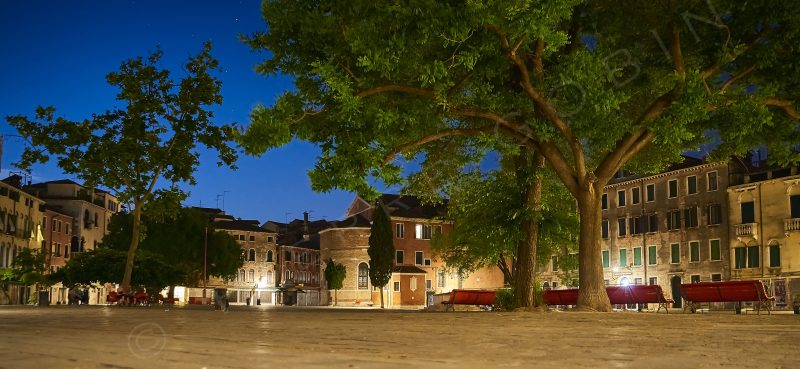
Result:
[
  {"x": 694, "y": 248},
  {"x": 741, "y": 257},
  {"x": 606, "y": 261},
  {"x": 651, "y": 255},
  {"x": 774, "y": 256},
  {"x": 715, "y": 255},
  {"x": 623, "y": 258},
  {"x": 753, "y": 260},
  {"x": 675, "y": 253},
  {"x": 637, "y": 256}
]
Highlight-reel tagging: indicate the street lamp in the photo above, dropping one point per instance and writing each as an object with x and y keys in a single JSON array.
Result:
[
  {"x": 616, "y": 272},
  {"x": 205, "y": 262}
]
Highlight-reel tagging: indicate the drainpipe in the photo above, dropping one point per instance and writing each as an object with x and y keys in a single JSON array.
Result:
[
  {"x": 644, "y": 220},
  {"x": 761, "y": 228}
]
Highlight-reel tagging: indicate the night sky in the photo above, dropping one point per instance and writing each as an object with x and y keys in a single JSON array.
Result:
[{"x": 58, "y": 53}]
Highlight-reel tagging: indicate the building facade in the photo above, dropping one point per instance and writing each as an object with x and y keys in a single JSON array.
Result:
[
  {"x": 664, "y": 229},
  {"x": 417, "y": 274},
  {"x": 299, "y": 259},
  {"x": 255, "y": 282},
  {"x": 21, "y": 217},
  {"x": 764, "y": 224},
  {"x": 91, "y": 210},
  {"x": 57, "y": 229}
]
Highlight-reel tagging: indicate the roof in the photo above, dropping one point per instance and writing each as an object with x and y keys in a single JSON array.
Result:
[
  {"x": 237, "y": 225},
  {"x": 413, "y": 207},
  {"x": 356, "y": 221},
  {"x": 57, "y": 209},
  {"x": 687, "y": 162},
  {"x": 311, "y": 243},
  {"x": 291, "y": 234},
  {"x": 407, "y": 269}
]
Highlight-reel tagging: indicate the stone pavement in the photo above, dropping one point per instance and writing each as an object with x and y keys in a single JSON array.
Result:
[{"x": 268, "y": 337}]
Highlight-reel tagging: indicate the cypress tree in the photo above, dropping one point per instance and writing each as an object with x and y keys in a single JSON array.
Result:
[{"x": 381, "y": 249}]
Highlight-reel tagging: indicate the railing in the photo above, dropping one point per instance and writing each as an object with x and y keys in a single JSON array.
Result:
[
  {"x": 747, "y": 229},
  {"x": 791, "y": 225}
]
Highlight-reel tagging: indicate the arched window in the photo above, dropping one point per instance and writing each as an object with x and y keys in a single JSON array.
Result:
[
  {"x": 363, "y": 276},
  {"x": 252, "y": 255},
  {"x": 286, "y": 276},
  {"x": 252, "y": 275},
  {"x": 269, "y": 256},
  {"x": 546, "y": 285},
  {"x": 269, "y": 278},
  {"x": 96, "y": 223},
  {"x": 241, "y": 275}
]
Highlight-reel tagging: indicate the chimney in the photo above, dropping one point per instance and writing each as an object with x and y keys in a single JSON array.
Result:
[{"x": 305, "y": 222}]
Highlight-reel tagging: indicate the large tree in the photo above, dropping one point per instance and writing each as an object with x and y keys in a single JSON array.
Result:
[
  {"x": 589, "y": 86},
  {"x": 381, "y": 248},
  {"x": 178, "y": 238},
  {"x": 154, "y": 135},
  {"x": 492, "y": 228}
]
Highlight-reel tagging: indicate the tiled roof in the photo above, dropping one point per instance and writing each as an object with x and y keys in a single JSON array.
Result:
[
  {"x": 687, "y": 162},
  {"x": 292, "y": 233},
  {"x": 408, "y": 269},
  {"x": 237, "y": 225},
  {"x": 412, "y": 207}
]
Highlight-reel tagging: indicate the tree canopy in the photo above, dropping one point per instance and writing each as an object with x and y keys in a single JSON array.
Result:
[
  {"x": 590, "y": 86},
  {"x": 154, "y": 136},
  {"x": 335, "y": 273},
  {"x": 179, "y": 240}
]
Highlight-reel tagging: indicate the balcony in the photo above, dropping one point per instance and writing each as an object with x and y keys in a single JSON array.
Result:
[
  {"x": 747, "y": 230},
  {"x": 791, "y": 225}
]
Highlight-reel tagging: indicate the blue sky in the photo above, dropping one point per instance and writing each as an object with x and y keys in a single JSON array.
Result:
[{"x": 58, "y": 53}]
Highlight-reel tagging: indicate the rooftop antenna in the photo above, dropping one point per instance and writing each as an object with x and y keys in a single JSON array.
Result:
[
  {"x": 286, "y": 217},
  {"x": 223, "y": 200}
]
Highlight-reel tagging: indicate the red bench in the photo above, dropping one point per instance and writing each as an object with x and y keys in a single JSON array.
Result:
[
  {"x": 618, "y": 295},
  {"x": 729, "y": 291},
  {"x": 469, "y": 297}
]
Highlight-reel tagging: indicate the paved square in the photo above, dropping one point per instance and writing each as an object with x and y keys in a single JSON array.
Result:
[{"x": 196, "y": 337}]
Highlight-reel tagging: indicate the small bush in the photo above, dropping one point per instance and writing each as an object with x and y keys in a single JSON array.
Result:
[{"x": 505, "y": 299}]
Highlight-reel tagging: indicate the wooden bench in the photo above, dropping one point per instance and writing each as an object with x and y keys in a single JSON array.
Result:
[
  {"x": 618, "y": 295},
  {"x": 469, "y": 297},
  {"x": 729, "y": 291}
]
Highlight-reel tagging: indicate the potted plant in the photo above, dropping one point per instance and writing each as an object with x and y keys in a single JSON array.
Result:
[{"x": 796, "y": 303}]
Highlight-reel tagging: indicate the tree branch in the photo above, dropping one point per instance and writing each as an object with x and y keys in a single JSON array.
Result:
[
  {"x": 396, "y": 88},
  {"x": 538, "y": 65},
  {"x": 786, "y": 106},
  {"x": 714, "y": 68},
  {"x": 746, "y": 72},
  {"x": 544, "y": 106},
  {"x": 434, "y": 137}
]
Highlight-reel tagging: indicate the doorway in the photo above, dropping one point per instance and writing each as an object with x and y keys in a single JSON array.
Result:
[{"x": 675, "y": 282}]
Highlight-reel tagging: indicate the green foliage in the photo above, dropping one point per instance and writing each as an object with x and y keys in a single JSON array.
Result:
[
  {"x": 29, "y": 267},
  {"x": 505, "y": 299},
  {"x": 488, "y": 214},
  {"x": 335, "y": 274},
  {"x": 178, "y": 240},
  {"x": 105, "y": 265},
  {"x": 154, "y": 136},
  {"x": 593, "y": 86},
  {"x": 381, "y": 247}
]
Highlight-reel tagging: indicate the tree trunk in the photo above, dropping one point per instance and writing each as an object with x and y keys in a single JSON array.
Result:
[
  {"x": 508, "y": 277},
  {"x": 137, "y": 221},
  {"x": 171, "y": 293},
  {"x": 592, "y": 294},
  {"x": 525, "y": 267}
]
